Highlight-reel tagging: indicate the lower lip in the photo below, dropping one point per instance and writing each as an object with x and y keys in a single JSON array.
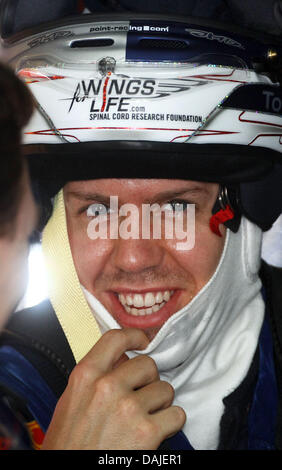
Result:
[{"x": 156, "y": 319}]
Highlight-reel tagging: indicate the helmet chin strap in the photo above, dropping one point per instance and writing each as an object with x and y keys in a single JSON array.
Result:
[{"x": 65, "y": 293}]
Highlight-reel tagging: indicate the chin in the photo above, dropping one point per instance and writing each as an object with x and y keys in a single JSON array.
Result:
[{"x": 151, "y": 333}]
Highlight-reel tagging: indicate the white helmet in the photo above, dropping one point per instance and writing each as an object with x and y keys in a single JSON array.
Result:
[{"x": 144, "y": 96}]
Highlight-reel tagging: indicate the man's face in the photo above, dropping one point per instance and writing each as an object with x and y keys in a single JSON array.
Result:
[
  {"x": 14, "y": 250},
  {"x": 142, "y": 282}
]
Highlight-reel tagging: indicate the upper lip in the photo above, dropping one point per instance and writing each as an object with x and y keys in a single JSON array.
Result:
[{"x": 127, "y": 290}]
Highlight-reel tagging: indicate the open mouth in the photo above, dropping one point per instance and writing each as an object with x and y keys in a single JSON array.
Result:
[
  {"x": 144, "y": 309},
  {"x": 144, "y": 304}
]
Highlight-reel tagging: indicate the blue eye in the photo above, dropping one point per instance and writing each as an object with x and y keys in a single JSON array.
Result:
[
  {"x": 176, "y": 206},
  {"x": 97, "y": 209}
]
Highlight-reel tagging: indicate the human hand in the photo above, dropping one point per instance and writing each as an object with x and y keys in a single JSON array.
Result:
[{"x": 112, "y": 402}]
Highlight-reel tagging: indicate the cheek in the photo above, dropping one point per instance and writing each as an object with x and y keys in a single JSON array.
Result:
[
  {"x": 19, "y": 267},
  {"x": 13, "y": 285},
  {"x": 201, "y": 261},
  {"x": 22, "y": 275},
  {"x": 89, "y": 256}
]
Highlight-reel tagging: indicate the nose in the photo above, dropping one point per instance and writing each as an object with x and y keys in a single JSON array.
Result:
[{"x": 137, "y": 255}]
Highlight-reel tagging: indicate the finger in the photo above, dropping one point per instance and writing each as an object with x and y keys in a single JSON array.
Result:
[
  {"x": 136, "y": 372},
  {"x": 169, "y": 421},
  {"x": 155, "y": 396},
  {"x": 123, "y": 358},
  {"x": 111, "y": 346}
]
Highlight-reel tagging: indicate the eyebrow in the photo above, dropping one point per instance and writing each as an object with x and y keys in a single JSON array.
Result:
[
  {"x": 179, "y": 192},
  {"x": 88, "y": 196},
  {"x": 85, "y": 196}
]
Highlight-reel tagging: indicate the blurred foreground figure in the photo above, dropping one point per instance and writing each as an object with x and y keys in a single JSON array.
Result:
[{"x": 18, "y": 217}]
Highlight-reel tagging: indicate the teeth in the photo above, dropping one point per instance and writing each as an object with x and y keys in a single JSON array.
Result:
[
  {"x": 134, "y": 304},
  {"x": 166, "y": 295},
  {"x": 129, "y": 300},
  {"x": 155, "y": 308},
  {"x": 138, "y": 300},
  {"x": 159, "y": 298},
  {"x": 149, "y": 299}
]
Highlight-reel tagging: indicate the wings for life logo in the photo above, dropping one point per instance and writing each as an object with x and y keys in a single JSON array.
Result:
[
  {"x": 115, "y": 93},
  {"x": 106, "y": 94}
]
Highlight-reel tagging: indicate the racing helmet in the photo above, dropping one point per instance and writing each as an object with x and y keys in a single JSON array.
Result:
[{"x": 126, "y": 95}]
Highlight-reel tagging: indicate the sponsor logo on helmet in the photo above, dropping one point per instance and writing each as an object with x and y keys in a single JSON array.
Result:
[
  {"x": 121, "y": 28},
  {"x": 49, "y": 37},
  {"x": 156, "y": 29},
  {"x": 199, "y": 33},
  {"x": 108, "y": 28},
  {"x": 117, "y": 92},
  {"x": 257, "y": 97},
  {"x": 273, "y": 103}
]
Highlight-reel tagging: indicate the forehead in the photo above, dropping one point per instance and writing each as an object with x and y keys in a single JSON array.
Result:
[{"x": 136, "y": 188}]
